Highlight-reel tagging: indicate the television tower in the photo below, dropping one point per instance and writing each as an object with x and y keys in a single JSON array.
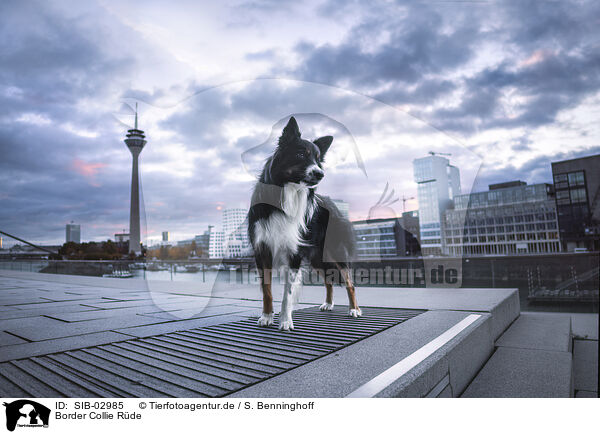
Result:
[{"x": 135, "y": 142}]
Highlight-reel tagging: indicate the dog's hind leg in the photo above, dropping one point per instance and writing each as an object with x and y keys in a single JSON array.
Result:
[
  {"x": 354, "y": 310},
  {"x": 291, "y": 292},
  {"x": 328, "y": 305},
  {"x": 264, "y": 264}
]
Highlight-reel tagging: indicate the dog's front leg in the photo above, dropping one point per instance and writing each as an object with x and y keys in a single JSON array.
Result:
[
  {"x": 266, "y": 319},
  {"x": 286, "y": 322},
  {"x": 291, "y": 290},
  {"x": 354, "y": 310},
  {"x": 264, "y": 263}
]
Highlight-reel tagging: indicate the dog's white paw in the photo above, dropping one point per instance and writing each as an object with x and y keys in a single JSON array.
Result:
[
  {"x": 285, "y": 322},
  {"x": 265, "y": 320},
  {"x": 355, "y": 313},
  {"x": 326, "y": 306}
]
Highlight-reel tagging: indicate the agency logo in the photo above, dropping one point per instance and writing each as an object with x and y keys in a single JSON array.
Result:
[{"x": 25, "y": 413}]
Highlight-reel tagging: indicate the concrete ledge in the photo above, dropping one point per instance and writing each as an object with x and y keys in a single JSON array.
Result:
[
  {"x": 585, "y": 365},
  {"x": 538, "y": 332},
  {"x": 340, "y": 373},
  {"x": 524, "y": 373}
]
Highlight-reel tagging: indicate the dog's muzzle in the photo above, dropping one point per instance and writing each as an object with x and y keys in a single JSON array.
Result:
[{"x": 314, "y": 176}]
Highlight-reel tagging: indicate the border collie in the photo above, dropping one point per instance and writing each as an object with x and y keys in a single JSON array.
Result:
[{"x": 289, "y": 224}]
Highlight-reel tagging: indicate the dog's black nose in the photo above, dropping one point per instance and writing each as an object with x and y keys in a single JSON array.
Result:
[{"x": 314, "y": 175}]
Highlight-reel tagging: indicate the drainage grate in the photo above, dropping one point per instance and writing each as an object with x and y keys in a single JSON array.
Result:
[{"x": 204, "y": 362}]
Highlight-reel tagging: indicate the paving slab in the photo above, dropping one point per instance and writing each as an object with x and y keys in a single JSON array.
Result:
[
  {"x": 30, "y": 307},
  {"x": 523, "y": 373},
  {"x": 63, "y": 329},
  {"x": 8, "y": 339},
  {"x": 541, "y": 332},
  {"x": 99, "y": 314},
  {"x": 585, "y": 365},
  {"x": 31, "y": 349},
  {"x": 48, "y": 311},
  {"x": 35, "y": 323},
  {"x": 111, "y": 304}
]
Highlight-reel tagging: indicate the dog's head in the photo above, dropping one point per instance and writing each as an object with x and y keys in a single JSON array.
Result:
[{"x": 298, "y": 160}]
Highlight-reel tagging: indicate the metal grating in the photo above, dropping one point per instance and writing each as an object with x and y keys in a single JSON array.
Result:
[{"x": 203, "y": 362}]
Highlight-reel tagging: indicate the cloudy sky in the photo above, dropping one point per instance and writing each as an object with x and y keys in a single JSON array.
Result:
[{"x": 506, "y": 87}]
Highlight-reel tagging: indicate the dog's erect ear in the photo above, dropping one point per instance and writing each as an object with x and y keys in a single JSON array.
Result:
[
  {"x": 323, "y": 143},
  {"x": 291, "y": 132}
]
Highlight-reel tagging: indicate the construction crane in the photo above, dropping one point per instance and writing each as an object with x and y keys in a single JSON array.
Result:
[
  {"x": 439, "y": 153},
  {"x": 404, "y": 199}
]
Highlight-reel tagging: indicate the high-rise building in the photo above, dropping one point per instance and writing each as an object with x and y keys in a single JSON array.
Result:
[
  {"x": 343, "y": 207},
  {"x": 216, "y": 244},
  {"x": 510, "y": 218},
  {"x": 135, "y": 142},
  {"x": 165, "y": 236},
  {"x": 235, "y": 230},
  {"x": 577, "y": 185},
  {"x": 73, "y": 233},
  {"x": 438, "y": 183}
]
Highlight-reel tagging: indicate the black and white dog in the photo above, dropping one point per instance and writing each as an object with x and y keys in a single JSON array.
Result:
[{"x": 288, "y": 224}]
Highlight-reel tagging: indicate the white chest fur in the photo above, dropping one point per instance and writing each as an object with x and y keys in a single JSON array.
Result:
[{"x": 282, "y": 232}]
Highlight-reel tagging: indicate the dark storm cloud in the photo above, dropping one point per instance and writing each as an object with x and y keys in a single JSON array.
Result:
[
  {"x": 414, "y": 45},
  {"x": 50, "y": 64},
  {"x": 426, "y": 91},
  {"x": 532, "y": 24},
  {"x": 426, "y": 43},
  {"x": 554, "y": 83},
  {"x": 45, "y": 184},
  {"x": 199, "y": 117}
]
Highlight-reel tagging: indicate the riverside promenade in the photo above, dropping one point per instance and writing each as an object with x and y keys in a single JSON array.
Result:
[{"x": 78, "y": 336}]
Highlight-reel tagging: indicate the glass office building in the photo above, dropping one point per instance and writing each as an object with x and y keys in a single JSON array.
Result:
[
  {"x": 577, "y": 185},
  {"x": 438, "y": 183},
  {"x": 510, "y": 218}
]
